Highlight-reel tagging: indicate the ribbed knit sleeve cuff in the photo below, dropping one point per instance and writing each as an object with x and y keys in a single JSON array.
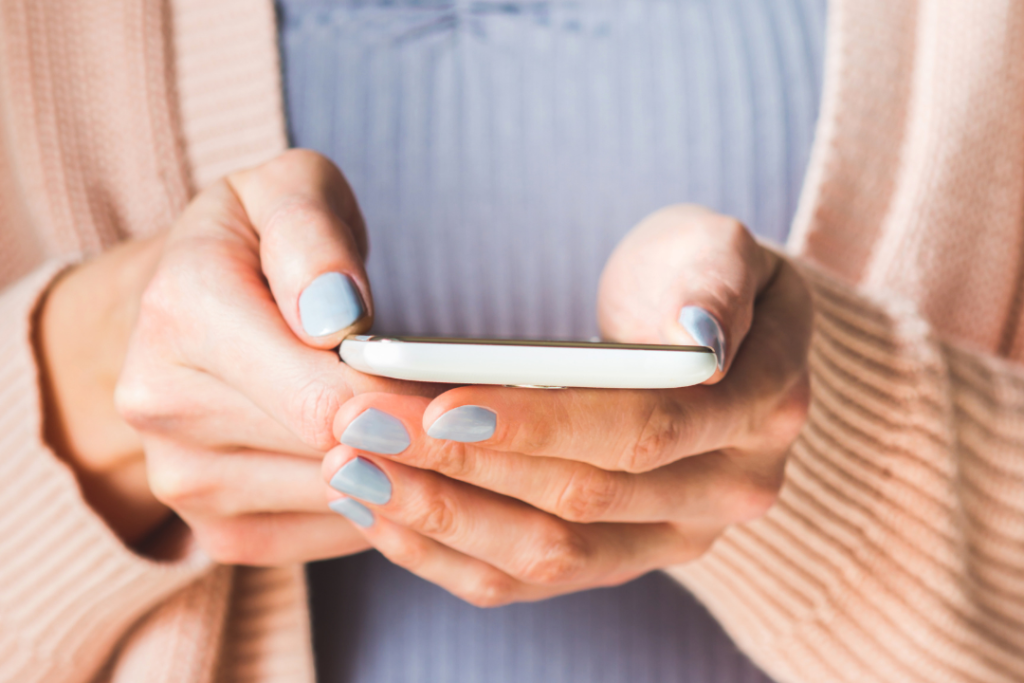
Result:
[
  {"x": 894, "y": 551},
  {"x": 69, "y": 589}
]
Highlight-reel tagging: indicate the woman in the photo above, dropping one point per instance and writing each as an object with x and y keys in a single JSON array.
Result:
[{"x": 886, "y": 555}]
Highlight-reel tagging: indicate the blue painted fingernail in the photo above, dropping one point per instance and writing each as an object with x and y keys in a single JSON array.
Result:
[
  {"x": 377, "y": 432},
  {"x": 467, "y": 424},
  {"x": 360, "y": 478},
  {"x": 353, "y": 510},
  {"x": 705, "y": 330},
  {"x": 330, "y": 303}
]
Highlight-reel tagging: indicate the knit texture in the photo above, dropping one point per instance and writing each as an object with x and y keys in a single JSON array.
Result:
[
  {"x": 896, "y": 549},
  {"x": 108, "y": 119}
]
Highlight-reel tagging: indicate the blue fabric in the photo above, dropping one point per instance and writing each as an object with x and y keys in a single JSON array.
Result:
[
  {"x": 376, "y": 623},
  {"x": 499, "y": 151}
]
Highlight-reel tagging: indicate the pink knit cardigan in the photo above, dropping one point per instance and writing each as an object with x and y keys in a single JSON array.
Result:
[{"x": 896, "y": 552}]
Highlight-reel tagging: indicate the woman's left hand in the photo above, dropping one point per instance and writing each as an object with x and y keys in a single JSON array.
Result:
[{"x": 502, "y": 495}]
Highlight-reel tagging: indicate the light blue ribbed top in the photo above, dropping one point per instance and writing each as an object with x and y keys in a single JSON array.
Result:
[{"x": 499, "y": 151}]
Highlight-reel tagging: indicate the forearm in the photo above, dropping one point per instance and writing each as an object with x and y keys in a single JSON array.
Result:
[{"x": 894, "y": 552}]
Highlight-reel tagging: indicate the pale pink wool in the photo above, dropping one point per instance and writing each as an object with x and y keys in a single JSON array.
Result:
[{"x": 896, "y": 552}]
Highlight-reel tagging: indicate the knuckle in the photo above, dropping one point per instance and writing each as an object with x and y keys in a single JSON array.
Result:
[
  {"x": 288, "y": 164},
  {"x": 319, "y": 172},
  {"x": 549, "y": 432},
  {"x": 162, "y": 296},
  {"x": 540, "y": 437},
  {"x": 298, "y": 158},
  {"x": 176, "y": 487},
  {"x": 657, "y": 439},
  {"x": 312, "y": 414},
  {"x": 736, "y": 234},
  {"x": 144, "y": 395},
  {"x": 699, "y": 545},
  {"x": 488, "y": 589},
  {"x": 588, "y": 496},
  {"x": 449, "y": 457},
  {"x": 789, "y": 414},
  {"x": 223, "y": 548},
  {"x": 234, "y": 542},
  {"x": 750, "y": 499},
  {"x": 296, "y": 211},
  {"x": 411, "y": 552},
  {"x": 434, "y": 514},
  {"x": 691, "y": 543},
  {"x": 560, "y": 556},
  {"x": 138, "y": 402}
]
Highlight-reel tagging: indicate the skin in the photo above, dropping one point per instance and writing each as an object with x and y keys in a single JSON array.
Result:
[
  {"x": 178, "y": 376},
  {"x": 179, "y": 383},
  {"x": 582, "y": 488}
]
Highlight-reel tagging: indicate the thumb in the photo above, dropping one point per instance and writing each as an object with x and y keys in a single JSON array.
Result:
[
  {"x": 685, "y": 275},
  {"x": 312, "y": 244}
]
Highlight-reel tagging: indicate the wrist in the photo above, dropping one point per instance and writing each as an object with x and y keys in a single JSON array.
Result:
[{"x": 82, "y": 331}]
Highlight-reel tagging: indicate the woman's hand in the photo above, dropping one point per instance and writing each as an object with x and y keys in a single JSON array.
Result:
[
  {"x": 502, "y": 495},
  {"x": 228, "y": 384}
]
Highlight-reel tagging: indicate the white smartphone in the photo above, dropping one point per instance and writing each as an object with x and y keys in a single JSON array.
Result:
[{"x": 529, "y": 363}]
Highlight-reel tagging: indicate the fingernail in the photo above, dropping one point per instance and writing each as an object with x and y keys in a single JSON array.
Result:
[
  {"x": 360, "y": 478},
  {"x": 704, "y": 329},
  {"x": 353, "y": 510},
  {"x": 467, "y": 424},
  {"x": 330, "y": 303},
  {"x": 377, "y": 432}
]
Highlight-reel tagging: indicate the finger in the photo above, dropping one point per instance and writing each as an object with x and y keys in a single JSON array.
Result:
[
  {"x": 516, "y": 538},
  {"x": 770, "y": 370},
  {"x": 685, "y": 275},
  {"x": 781, "y": 335},
  {"x": 210, "y": 483},
  {"x": 714, "y": 486},
  {"x": 619, "y": 430},
  {"x": 312, "y": 244},
  {"x": 250, "y": 350},
  {"x": 208, "y": 308},
  {"x": 757, "y": 410},
  {"x": 229, "y": 420},
  {"x": 276, "y": 539},
  {"x": 702, "y": 489},
  {"x": 476, "y": 582},
  {"x": 203, "y": 413}
]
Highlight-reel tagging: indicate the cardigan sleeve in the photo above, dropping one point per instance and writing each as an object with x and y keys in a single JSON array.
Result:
[
  {"x": 70, "y": 591},
  {"x": 896, "y": 549}
]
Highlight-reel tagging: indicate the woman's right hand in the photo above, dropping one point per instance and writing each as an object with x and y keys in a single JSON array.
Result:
[{"x": 229, "y": 380}]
